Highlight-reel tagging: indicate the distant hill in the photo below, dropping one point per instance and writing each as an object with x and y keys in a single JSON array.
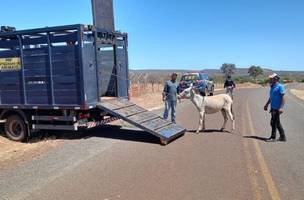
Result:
[{"x": 217, "y": 72}]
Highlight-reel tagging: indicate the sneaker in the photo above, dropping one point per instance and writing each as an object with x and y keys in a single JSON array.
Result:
[
  {"x": 282, "y": 139},
  {"x": 271, "y": 140}
]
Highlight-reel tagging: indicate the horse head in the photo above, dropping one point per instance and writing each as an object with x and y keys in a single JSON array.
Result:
[{"x": 187, "y": 93}]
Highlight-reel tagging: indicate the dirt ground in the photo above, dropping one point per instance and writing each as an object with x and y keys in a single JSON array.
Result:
[
  {"x": 298, "y": 93},
  {"x": 148, "y": 101},
  {"x": 248, "y": 85},
  {"x": 12, "y": 153}
]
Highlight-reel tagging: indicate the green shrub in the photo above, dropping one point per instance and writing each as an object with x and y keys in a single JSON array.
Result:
[
  {"x": 286, "y": 78},
  {"x": 264, "y": 81},
  {"x": 239, "y": 79}
]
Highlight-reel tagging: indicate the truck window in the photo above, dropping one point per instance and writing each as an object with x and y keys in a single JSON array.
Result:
[{"x": 204, "y": 77}]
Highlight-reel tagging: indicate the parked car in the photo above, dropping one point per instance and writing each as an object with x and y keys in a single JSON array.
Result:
[{"x": 199, "y": 80}]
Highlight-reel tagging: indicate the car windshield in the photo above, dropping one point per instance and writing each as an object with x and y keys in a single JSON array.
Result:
[{"x": 190, "y": 77}]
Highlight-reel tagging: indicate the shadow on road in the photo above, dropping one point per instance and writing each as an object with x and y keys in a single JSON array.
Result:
[
  {"x": 110, "y": 132},
  {"x": 210, "y": 131},
  {"x": 256, "y": 138},
  {"x": 116, "y": 132}
]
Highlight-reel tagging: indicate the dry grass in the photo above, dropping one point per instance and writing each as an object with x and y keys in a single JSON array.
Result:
[
  {"x": 298, "y": 93},
  {"x": 142, "y": 89},
  {"x": 149, "y": 100},
  {"x": 248, "y": 85}
]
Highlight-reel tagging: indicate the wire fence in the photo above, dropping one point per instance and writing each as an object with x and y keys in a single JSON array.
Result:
[{"x": 145, "y": 82}]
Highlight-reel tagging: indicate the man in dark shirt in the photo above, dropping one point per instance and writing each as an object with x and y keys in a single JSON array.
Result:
[
  {"x": 229, "y": 85},
  {"x": 170, "y": 97},
  {"x": 277, "y": 101},
  {"x": 229, "y": 82}
]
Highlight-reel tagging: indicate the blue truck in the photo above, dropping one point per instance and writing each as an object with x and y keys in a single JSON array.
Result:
[{"x": 70, "y": 77}]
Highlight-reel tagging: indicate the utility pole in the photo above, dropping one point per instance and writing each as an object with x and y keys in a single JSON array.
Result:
[{"x": 103, "y": 14}]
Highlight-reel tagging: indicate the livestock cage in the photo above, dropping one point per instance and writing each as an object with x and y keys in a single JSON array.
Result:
[{"x": 62, "y": 67}]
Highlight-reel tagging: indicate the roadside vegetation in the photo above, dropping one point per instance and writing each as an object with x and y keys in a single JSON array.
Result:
[
  {"x": 140, "y": 80},
  {"x": 258, "y": 75}
]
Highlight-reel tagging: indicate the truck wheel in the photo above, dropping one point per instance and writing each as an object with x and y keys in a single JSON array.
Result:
[
  {"x": 212, "y": 90},
  {"x": 15, "y": 128},
  {"x": 202, "y": 93}
]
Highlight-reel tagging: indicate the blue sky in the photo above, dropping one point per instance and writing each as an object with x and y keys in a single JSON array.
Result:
[{"x": 186, "y": 34}]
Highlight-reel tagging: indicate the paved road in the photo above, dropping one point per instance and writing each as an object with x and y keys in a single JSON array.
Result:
[{"x": 128, "y": 164}]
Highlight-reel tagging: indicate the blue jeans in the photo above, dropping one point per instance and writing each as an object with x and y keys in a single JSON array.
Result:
[{"x": 170, "y": 105}]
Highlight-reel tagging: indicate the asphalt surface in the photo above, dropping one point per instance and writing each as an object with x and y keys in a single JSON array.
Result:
[{"x": 110, "y": 163}]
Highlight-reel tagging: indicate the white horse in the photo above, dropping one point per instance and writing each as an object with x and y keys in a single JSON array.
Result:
[{"x": 210, "y": 105}]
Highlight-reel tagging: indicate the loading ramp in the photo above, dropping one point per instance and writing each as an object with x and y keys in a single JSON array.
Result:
[{"x": 142, "y": 118}]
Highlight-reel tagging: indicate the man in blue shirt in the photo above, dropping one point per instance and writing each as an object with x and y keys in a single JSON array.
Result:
[
  {"x": 277, "y": 101},
  {"x": 170, "y": 92}
]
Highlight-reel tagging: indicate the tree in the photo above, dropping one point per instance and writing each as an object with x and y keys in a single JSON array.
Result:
[
  {"x": 255, "y": 71},
  {"x": 153, "y": 78},
  {"x": 228, "y": 69}
]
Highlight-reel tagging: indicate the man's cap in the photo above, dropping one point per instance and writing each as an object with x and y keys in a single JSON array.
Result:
[
  {"x": 174, "y": 74},
  {"x": 274, "y": 75}
]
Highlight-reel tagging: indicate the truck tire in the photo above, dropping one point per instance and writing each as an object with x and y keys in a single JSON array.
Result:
[
  {"x": 15, "y": 128},
  {"x": 202, "y": 93}
]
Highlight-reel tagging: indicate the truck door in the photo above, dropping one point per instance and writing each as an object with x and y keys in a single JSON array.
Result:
[
  {"x": 106, "y": 70},
  {"x": 122, "y": 67}
]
